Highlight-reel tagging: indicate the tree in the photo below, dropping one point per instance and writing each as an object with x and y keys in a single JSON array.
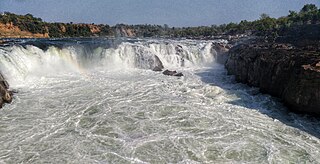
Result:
[
  {"x": 29, "y": 16},
  {"x": 309, "y": 8},
  {"x": 309, "y": 13},
  {"x": 264, "y": 16},
  {"x": 294, "y": 17}
]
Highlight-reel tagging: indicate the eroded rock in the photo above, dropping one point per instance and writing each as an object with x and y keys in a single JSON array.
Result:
[
  {"x": 221, "y": 52},
  {"x": 5, "y": 94},
  {"x": 158, "y": 66},
  {"x": 292, "y": 74},
  {"x": 172, "y": 73}
]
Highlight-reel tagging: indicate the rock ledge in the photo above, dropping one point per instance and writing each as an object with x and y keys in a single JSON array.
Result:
[{"x": 281, "y": 70}]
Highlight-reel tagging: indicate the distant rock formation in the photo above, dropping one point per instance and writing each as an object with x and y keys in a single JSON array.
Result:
[
  {"x": 10, "y": 31},
  {"x": 281, "y": 70},
  {"x": 125, "y": 32},
  {"x": 5, "y": 94}
]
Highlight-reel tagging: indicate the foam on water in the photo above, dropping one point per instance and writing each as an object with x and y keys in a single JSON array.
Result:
[{"x": 105, "y": 105}]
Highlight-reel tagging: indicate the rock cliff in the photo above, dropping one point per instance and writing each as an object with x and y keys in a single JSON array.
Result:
[
  {"x": 282, "y": 70},
  {"x": 10, "y": 31}
]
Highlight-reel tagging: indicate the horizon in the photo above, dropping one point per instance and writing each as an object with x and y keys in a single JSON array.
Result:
[{"x": 180, "y": 13}]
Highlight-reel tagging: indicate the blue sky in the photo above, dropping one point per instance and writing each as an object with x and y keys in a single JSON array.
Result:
[{"x": 171, "y": 12}]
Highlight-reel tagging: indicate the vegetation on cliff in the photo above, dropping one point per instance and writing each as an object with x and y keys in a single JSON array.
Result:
[
  {"x": 24, "y": 22},
  {"x": 288, "y": 66},
  {"x": 265, "y": 26},
  {"x": 36, "y": 26}
]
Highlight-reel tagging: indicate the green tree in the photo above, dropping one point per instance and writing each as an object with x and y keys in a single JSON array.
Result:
[
  {"x": 264, "y": 16},
  {"x": 309, "y": 8}
]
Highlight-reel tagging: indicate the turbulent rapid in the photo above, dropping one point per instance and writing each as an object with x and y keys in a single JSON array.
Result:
[{"x": 98, "y": 101}]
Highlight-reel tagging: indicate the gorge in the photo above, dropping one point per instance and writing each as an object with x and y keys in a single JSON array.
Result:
[
  {"x": 246, "y": 92},
  {"x": 88, "y": 100}
]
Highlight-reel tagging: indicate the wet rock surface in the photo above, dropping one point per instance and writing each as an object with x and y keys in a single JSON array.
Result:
[
  {"x": 158, "y": 66},
  {"x": 282, "y": 70},
  {"x": 172, "y": 73},
  {"x": 5, "y": 94},
  {"x": 221, "y": 52}
]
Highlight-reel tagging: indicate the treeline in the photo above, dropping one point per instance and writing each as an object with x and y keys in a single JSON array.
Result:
[
  {"x": 58, "y": 30},
  {"x": 265, "y": 26},
  {"x": 36, "y": 26},
  {"x": 24, "y": 22}
]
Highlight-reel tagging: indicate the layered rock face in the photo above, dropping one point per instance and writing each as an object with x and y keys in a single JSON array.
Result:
[
  {"x": 290, "y": 73},
  {"x": 221, "y": 52},
  {"x": 10, "y": 31},
  {"x": 5, "y": 94}
]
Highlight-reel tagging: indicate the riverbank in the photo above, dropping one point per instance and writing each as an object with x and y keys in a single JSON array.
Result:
[
  {"x": 9, "y": 30},
  {"x": 281, "y": 69}
]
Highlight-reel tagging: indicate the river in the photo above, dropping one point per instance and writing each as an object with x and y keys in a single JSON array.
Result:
[{"x": 98, "y": 101}]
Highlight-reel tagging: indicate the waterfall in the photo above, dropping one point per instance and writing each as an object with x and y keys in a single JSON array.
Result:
[{"x": 20, "y": 61}]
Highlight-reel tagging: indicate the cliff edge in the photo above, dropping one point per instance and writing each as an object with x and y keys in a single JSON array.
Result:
[
  {"x": 282, "y": 70},
  {"x": 9, "y": 30}
]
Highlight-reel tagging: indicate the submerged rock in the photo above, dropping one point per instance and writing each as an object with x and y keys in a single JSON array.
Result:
[
  {"x": 158, "y": 66},
  {"x": 157, "y": 69},
  {"x": 148, "y": 61},
  {"x": 179, "y": 74},
  {"x": 169, "y": 73},
  {"x": 172, "y": 73},
  {"x": 5, "y": 94}
]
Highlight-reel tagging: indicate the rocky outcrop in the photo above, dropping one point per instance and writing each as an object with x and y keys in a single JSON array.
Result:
[
  {"x": 158, "y": 66},
  {"x": 281, "y": 70},
  {"x": 221, "y": 52},
  {"x": 125, "y": 32},
  {"x": 5, "y": 94},
  {"x": 11, "y": 31}
]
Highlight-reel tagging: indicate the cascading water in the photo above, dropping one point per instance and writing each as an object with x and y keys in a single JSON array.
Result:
[
  {"x": 21, "y": 62},
  {"x": 98, "y": 101}
]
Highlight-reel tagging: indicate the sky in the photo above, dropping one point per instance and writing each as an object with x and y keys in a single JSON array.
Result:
[{"x": 178, "y": 13}]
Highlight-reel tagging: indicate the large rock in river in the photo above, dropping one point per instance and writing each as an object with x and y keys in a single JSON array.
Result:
[
  {"x": 5, "y": 95},
  {"x": 172, "y": 73},
  {"x": 292, "y": 74}
]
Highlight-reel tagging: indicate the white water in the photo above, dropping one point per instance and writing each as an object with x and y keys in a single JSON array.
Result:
[{"x": 105, "y": 105}]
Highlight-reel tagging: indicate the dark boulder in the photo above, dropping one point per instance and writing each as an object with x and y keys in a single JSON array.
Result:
[
  {"x": 5, "y": 94},
  {"x": 179, "y": 49},
  {"x": 179, "y": 74},
  {"x": 157, "y": 69},
  {"x": 172, "y": 73},
  {"x": 158, "y": 66},
  {"x": 169, "y": 73}
]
